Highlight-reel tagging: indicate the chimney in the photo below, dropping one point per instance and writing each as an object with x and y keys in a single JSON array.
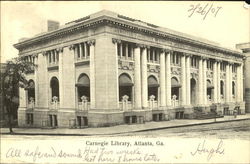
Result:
[{"x": 52, "y": 25}]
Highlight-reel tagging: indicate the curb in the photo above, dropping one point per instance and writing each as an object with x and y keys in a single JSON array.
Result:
[{"x": 144, "y": 130}]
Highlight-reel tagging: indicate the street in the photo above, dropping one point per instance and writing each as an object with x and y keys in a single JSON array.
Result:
[{"x": 228, "y": 130}]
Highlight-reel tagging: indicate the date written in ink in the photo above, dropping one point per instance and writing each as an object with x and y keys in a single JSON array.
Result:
[{"x": 204, "y": 10}]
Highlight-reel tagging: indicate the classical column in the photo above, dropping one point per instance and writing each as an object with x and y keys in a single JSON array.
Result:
[
  {"x": 183, "y": 80},
  {"x": 153, "y": 52},
  {"x": 230, "y": 82},
  {"x": 85, "y": 50},
  {"x": 137, "y": 77},
  {"x": 241, "y": 83},
  {"x": 188, "y": 95},
  {"x": 80, "y": 50},
  {"x": 144, "y": 79},
  {"x": 120, "y": 49},
  {"x": 215, "y": 82},
  {"x": 132, "y": 51},
  {"x": 168, "y": 79},
  {"x": 116, "y": 41},
  {"x": 200, "y": 80},
  {"x": 60, "y": 73},
  {"x": 205, "y": 81},
  {"x": 162, "y": 79},
  {"x": 126, "y": 51},
  {"x": 218, "y": 82},
  {"x": 227, "y": 83},
  {"x": 36, "y": 79},
  {"x": 75, "y": 51},
  {"x": 92, "y": 73}
]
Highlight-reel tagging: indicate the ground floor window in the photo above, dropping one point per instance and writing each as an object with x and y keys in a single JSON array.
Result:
[
  {"x": 82, "y": 121},
  {"x": 179, "y": 115},
  {"x": 29, "y": 118},
  {"x": 158, "y": 117},
  {"x": 53, "y": 120}
]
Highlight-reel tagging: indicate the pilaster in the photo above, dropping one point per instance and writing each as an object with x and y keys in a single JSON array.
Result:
[
  {"x": 168, "y": 79},
  {"x": 183, "y": 80},
  {"x": 188, "y": 95},
  {"x": 205, "y": 81},
  {"x": 162, "y": 79},
  {"x": 92, "y": 73},
  {"x": 215, "y": 82},
  {"x": 200, "y": 83},
  {"x": 137, "y": 77},
  {"x": 144, "y": 80}
]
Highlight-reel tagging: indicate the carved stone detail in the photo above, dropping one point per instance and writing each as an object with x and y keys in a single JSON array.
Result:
[
  {"x": 116, "y": 40},
  {"x": 153, "y": 68},
  {"x": 209, "y": 74},
  {"x": 223, "y": 75},
  {"x": 175, "y": 71},
  {"x": 125, "y": 65}
]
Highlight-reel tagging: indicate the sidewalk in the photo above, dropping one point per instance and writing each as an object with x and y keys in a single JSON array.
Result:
[{"x": 148, "y": 126}]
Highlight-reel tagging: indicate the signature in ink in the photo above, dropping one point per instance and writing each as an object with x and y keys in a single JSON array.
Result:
[
  {"x": 202, "y": 149},
  {"x": 204, "y": 10}
]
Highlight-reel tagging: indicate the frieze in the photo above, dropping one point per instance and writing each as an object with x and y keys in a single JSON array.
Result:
[
  {"x": 125, "y": 65},
  {"x": 153, "y": 68}
]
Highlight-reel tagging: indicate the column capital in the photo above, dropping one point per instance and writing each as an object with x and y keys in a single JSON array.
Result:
[
  {"x": 141, "y": 45},
  {"x": 165, "y": 50},
  {"x": 116, "y": 40},
  {"x": 230, "y": 62},
  {"x": 188, "y": 55},
  {"x": 91, "y": 42},
  {"x": 218, "y": 60},
  {"x": 204, "y": 58},
  {"x": 59, "y": 49},
  {"x": 44, "y": 53},
  {"x": 73, "y": 46},
  {"x": 35, "y": 55}
]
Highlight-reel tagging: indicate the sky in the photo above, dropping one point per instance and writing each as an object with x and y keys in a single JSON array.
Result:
[{"x": 227, "y": 23}]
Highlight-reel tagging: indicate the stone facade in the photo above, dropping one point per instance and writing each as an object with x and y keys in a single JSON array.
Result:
[
  {"x": 245, "y": 47},
  {"x": 107, "y": 69}
]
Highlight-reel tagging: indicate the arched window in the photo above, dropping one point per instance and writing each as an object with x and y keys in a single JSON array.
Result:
[
  {"x": 54, "y": 85},
  {"x": 125, "y": 86},
  {"x": 193, "y": 91},
  {"x": 233, "y": 88},
  {"x": 210, "y": 88},
  {"x": 175, "y": 86},
  {"x": 83, "y": 87},
  {"x": 31, "y": 90},
  {"x": 153, "y": 87},
  {"x": 222, "y": 88}
]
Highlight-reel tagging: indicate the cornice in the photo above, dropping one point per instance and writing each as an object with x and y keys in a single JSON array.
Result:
[{"x": 123, "y": 24}]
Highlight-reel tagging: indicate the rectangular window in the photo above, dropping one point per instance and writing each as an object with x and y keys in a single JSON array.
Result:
[
  {"x": 118, "y": 50},
  {"x": 29, "y": 118},
  {"x": 53, "y": 120},
  {"x": 88, "y": 50},
  {"x": 123, "y": 50},
  {"x": 151, "y": 55},
  {"x": 129, "y": 51}
]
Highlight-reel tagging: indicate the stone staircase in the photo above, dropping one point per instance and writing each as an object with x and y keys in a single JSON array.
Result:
[{"x": 201, "y": 114}]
